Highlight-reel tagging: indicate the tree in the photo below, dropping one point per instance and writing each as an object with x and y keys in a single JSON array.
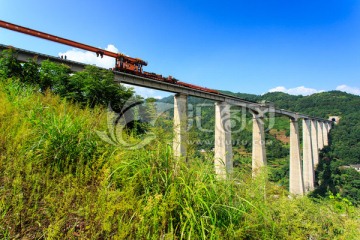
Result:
[
  {"x": 30, "y": 72},
  {"x": 96, "y": 86},
  {"x": 9, "y": 65},
  {"x": 55, "y": 77},
  {"x": 148, "y": 110}
]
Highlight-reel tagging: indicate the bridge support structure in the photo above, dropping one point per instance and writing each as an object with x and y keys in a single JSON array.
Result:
[
  {"x": 314, "y": 143},
  {"x": 329, "y": 126},
  {"x": 180, "y": 125},
  {"x": 223, "y": 158},
  {"x": 296, "y": 183},
  {"x": 320, "y": 135},
  {"x": 258, "y": 144},
  {"x": 308, "y": 162},
  {"x": 301, "y": 167},
  {"x": 325, "y": 131}
]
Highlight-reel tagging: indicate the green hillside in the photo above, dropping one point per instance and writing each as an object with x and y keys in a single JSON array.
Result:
[
  {"x": 345, "y": 136},
  {"x": 60, "y": 180},
  {"x": 344, "y": 149}
]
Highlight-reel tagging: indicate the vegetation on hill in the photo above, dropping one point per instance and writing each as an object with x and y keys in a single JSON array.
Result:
[
  {"x": 344, "y": 148},
  {"x": 59, "y": 180},
  {"x": 90, "y": 87}
]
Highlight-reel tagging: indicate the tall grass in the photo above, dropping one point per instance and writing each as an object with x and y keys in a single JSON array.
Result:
[{"x": 58, "y": 180}]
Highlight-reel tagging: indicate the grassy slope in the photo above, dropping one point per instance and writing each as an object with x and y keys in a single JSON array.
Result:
[{"x": 59, "y": 180}]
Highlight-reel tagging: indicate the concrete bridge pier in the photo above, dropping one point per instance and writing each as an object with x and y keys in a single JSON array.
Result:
[
  {"x": 308, "y": 163},
  {"x": 314, "y": 142},
  {"x": 223, "y": 158},
  {"x": 258, "y": 144},
  {"x": 325, "y": 133},
  {"x": 329, "y": 126},
  {"x": 296, "y": 183},
  {"x": 320, "y": 135},
  {"x": 180, "y": 125}
]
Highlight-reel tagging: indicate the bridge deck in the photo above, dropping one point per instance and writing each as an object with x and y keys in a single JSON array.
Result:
[{"x": 120, "y": 77}]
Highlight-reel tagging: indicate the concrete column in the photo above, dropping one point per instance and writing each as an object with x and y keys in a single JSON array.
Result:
[
  {"x": 314, "y": 142},
  {"x": 180, "y": 125},
  {"x": 258, "y": 144},
  {"x": 320, "y": 135},
  {"x": 223, "y": 158},
  {"x": 325, "y": 134},
  {"x": 296, "y": 184},
  {"x": 308, "y": 163}
]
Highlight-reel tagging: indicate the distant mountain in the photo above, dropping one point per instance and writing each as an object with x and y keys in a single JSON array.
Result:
[
  {"x": 322, "y": 104},
  {"x": 245, "y": 96}
]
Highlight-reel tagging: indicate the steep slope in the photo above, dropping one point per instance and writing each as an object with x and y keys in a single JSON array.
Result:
[{"x": 60, "y": 180}]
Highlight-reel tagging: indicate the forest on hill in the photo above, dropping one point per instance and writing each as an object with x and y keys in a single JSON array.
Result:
[
  {"x": 333, "y": 174},
  {"x": 60, "y": 178},
  {"x": 344, "y": 148}
]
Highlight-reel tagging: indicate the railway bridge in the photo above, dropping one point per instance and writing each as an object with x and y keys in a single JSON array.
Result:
[{"x": 302, "y": 161}]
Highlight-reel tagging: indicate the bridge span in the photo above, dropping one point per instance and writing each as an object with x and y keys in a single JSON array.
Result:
[{"x": 302, "y": 161}]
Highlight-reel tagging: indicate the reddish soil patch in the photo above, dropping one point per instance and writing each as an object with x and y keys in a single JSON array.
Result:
[{"x": 280, "y": 135}]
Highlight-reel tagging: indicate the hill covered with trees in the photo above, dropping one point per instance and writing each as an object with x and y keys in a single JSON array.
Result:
[
  {"x": 345, "y": 136},
  {"x": 344, "y": 148}
]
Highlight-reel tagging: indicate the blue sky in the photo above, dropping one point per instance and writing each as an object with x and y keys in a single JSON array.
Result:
[{"x": 300, "y": 47}]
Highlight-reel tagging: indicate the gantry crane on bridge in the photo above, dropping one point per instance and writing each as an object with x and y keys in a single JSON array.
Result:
[{"x": 123, "y": 63}]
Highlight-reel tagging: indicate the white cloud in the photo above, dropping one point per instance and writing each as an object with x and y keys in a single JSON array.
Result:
[
  {"x": 108, "y": 62},
  {"x": 345, "y": 88},
  {"x": 278, "y": 89},
  {"x": 296, "y": 91}
]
